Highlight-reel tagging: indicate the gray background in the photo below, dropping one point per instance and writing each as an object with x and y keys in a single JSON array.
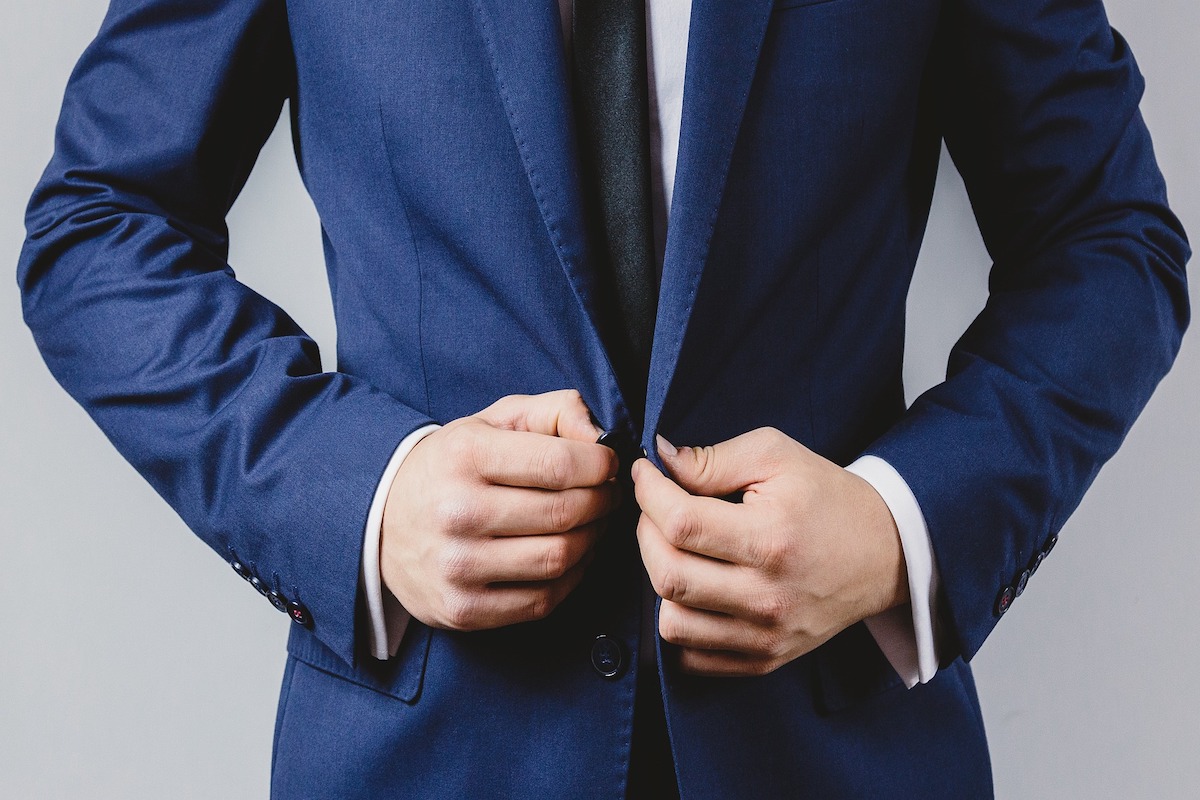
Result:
[{"x": 135, "y": 664}]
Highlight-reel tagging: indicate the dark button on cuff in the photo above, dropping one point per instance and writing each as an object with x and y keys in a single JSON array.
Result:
[
  {"x": 1007, "y": 594},
  {"x": 608, "y": 657},
  {"x": 259, "y": 586},
  {"x": 1037, "y": 562},
  {"x": 1022, "y": 582},
  {"x": 241, "y": 569},
  {"x": 299, "y": 613},
  {"x": 1053, "y": 540},
  {"x": 278, "y": 600}
]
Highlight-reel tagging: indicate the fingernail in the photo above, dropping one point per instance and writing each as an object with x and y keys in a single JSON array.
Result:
[
  {"x": 664, "y": 447},
  {"x": 634, "y": 468}
]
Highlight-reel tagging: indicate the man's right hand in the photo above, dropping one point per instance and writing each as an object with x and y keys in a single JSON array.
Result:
[{"x": 491, "y": 519}]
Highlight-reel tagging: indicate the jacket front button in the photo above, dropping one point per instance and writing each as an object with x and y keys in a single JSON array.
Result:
[
  {"x": 607, "y": 656},
  {"x": 621, "y": 443}
]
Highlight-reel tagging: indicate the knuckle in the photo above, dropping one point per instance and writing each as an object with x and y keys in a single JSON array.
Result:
[
  {"x": 772, "y": 550},
  {"x": 771, "y": 436},
  {"x": 767, "y": 645},
  {"x": 460, "y": 611},
  {"x": 669, "y": 629},
  {"x": 573, "y": 397},
  {"x": 561, "y": 513},
  {"x": 769, "y": 443},
  {"x": 497, "y": 404},
  {"x": 706, "y": 462},
  {"x": 671, "y": 584},
  {"x": 679, "y": 526},
  {"x": 551, "y": 466},
  {"x": 770, "y": 608},
  {"x": 459, "y": 445},
  {"x": 509, "y": 404},
  {"x": 455, "y": 563},
  {"x": 556, "y": 560},
  {"x": 541, "y": 604},
  {"x": 455, "y": 512}
]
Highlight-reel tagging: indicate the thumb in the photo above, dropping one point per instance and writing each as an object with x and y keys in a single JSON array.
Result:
[
  {"x": 561, "y": 413},
  {"x": 715, "y": 470}
]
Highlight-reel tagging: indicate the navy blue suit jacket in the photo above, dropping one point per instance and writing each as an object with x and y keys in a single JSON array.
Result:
[{"x": 437, "y": 142}]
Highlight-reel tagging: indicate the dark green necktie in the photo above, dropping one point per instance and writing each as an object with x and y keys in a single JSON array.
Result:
[{"x": 612, "y": 111}]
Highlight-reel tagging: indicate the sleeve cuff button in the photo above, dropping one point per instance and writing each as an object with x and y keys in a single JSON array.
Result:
[
  {"x": 1007, "y": 595},
  {"x": 299, "y": 613}
]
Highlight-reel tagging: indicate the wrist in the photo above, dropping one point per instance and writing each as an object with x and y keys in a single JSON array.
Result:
[
  {"x": 387, "y": 618},
  {"x": 885, "y": 576}
]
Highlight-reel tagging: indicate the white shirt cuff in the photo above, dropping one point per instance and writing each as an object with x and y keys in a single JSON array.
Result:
[
  {"x": 388, "y": 618},
  {"x": 906, "y": 634}
]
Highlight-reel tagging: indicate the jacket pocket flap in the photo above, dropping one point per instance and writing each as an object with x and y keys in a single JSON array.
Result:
[{"x": 399, "y": 677}]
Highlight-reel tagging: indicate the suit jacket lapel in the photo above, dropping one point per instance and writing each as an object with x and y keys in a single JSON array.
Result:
[
  {"x": 524, "y": 43},
  {"x": 723, "y": 48}
]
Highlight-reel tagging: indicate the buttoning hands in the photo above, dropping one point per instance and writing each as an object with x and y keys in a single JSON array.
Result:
[
  {"x": 748, "y": 587},
  {"x": 491, "y": 519}
]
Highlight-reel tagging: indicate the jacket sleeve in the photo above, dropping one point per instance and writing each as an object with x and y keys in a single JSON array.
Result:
[
  {"x": 1087, "y": 293},
  {"x": 212, "y": 392}
]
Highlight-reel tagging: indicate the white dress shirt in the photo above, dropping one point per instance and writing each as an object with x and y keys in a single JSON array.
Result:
[{"x": 905, "y": 634}]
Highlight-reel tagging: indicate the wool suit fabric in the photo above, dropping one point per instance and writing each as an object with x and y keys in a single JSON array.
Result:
[{"x": 438, "y": 145}]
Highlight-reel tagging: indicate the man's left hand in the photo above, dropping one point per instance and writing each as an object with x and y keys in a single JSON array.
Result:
[{"x": 749, "y": 586}]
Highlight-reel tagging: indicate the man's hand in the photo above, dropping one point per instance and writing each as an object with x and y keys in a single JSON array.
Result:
[
  {"x": 749, "y": 586},
  {"x": 491, "y": 519}
]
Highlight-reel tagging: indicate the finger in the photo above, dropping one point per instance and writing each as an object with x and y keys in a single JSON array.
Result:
[
  {"x": 520, "y": 458},
  {"x": 727, "y": 467},
  {"x": 705, "y": 630},
  {"x": 689, "y": 579},
  {"x": 511, "y": 511},
  {"x": 509, "y": 604},
  {"x": 560, "y": 413},
  {"x": 535, "y": 558},
  {"x": 724, "y": 664},
  {"x": 703, "y": 525}
]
